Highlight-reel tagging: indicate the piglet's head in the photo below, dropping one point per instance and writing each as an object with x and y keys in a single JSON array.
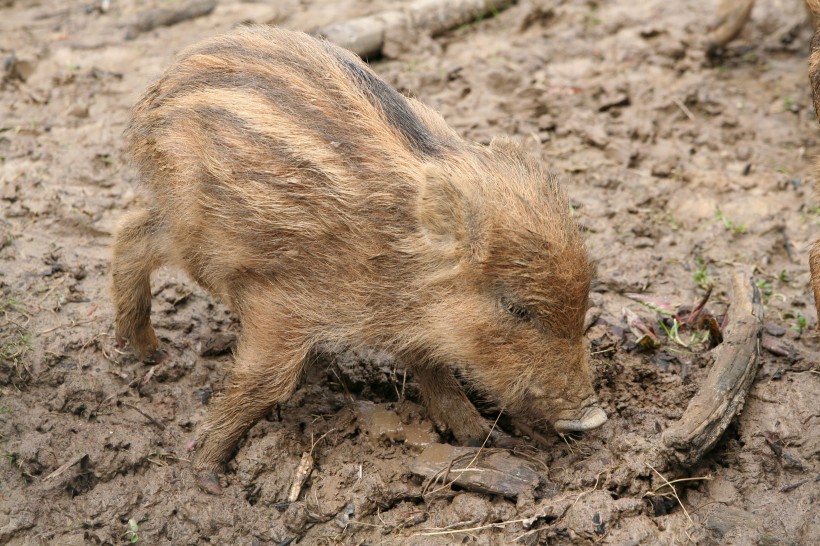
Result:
[{"x": 506, "y": 279}]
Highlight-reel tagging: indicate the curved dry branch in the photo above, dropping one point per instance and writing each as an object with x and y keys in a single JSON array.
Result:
[{"x": 722, "y": 395}]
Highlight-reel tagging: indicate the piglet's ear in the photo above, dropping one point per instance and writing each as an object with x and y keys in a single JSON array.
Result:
[
  {"x": 449, "y": 214},
  {"x": 506, "y": 145}
]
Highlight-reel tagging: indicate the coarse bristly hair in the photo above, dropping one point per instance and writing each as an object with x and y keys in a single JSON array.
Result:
[{"x": 325, "y": 207}]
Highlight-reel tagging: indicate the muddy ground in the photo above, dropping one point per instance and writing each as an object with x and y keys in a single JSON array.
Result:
[{"x": 677, "y": 167}]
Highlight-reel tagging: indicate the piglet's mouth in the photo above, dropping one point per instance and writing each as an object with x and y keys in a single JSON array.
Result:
[{"x": 591, "y": 417}]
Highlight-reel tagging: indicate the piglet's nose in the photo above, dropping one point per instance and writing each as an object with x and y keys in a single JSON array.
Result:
[{"x": 590, "y": 418}]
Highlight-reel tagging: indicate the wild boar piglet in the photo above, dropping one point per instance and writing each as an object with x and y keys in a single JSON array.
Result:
[{"x": 324, "y": 207}]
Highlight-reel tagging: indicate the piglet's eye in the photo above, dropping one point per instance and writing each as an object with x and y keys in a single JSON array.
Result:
[{"x": 516, "y": 309}]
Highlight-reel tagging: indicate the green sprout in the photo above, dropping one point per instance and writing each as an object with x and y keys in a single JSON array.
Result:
[
  {"x": 800, "y": 322},
  {"x": 730, "y": 225},
  {"x": 788, "y": 103},
  {"x": 701, "y": 275},
  {"x": 132, "y": 531}
]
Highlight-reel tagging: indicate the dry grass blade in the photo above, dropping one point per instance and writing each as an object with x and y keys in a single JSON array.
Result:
[
  {"x": 436, "y": 531},
  {"x": 674, "y": 492}
]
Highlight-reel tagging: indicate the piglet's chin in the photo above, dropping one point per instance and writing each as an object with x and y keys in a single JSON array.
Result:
[{"x": 590, "y": 418}]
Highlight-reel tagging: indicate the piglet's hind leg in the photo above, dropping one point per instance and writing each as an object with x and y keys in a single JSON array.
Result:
[{"x": 266, "y": 372}]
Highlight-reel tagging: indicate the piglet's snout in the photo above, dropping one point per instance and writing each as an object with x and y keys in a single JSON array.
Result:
[{"x": 590, "y": 417}]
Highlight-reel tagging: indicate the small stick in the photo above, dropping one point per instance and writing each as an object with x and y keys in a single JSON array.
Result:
[
  {"x": 722, "y": 395},
  {"x": 344, "y": 385},
  {"x": 793, "y": 486},
  {"x": 684, "y": 109},
  {"x": 50, "y": 290},
  {"x": 460, "y": 524},
  {"x": 165, "y": 17},
  {"x": 65, "y": 466},
  {"x": 699, "y": 478},
  {"x": 366, "y": 36},
  {"x": 71, "y": 324},
  {"x": 498, "y": 525},
  {"x": 398, "y": 394},
  {"x": 135, "y": 408},
  {"x": 302, "y": 471}
]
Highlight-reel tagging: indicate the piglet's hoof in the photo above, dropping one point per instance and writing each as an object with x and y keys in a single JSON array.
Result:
[
  {"x": 119, "y": 343},
  {"x": 158, "y": 357},
  {"x": 209, "y": 483},
  {"x": 191, "y": 445}
]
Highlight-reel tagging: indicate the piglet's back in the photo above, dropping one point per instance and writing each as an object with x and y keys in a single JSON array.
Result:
[
  {"x": 265, "y": 106},
  {"x": 272, "y": 133}
]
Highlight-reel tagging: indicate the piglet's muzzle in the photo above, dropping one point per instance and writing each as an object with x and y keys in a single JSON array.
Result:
[{"x": 590, "y": 418}]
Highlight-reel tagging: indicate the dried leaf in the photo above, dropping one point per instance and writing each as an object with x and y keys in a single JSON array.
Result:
[
  {"x": 777, "y": 346},
  {"x": 646, "y": 335},
  {"x": 715, "y": 333},
  {"x": 695, "y": 314}
]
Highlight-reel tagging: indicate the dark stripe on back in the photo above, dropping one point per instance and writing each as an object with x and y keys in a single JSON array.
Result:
[
  {"x": 393, "y": 104},
  {"x": 397, "y": 111},
  {"x": 276, "y": 90},
  {"x": 219, "y": 121}
]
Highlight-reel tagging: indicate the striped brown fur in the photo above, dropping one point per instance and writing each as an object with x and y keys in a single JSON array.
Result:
[{"x": 326, "y": 208}]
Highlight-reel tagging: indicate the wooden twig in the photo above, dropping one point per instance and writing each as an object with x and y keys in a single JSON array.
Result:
[
  {"x": 72, "y": 324},
  {"x": 683, "y": 108},
  {"x": 814, "y": 80},
  {"x": 135, "y": 408},
  {"x": 366, "y": 36},
  {"x": 445, "y": 531},
  {"x": 164, "y": 17},
  {"x": 74, "y": 460},
  {"x": 721, "y": 396},
  {"x": 300, "y": 476},
  {"x": 304, "y": 469}
]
